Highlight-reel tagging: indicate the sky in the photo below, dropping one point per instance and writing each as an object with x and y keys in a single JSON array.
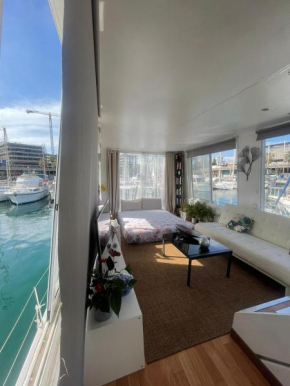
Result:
[{"x": 30, "y": 71}]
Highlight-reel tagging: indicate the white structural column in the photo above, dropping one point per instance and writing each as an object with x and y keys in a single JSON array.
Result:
[{"x": 78, "y": 181}]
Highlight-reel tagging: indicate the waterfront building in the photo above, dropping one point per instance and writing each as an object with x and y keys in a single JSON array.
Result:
[{"x": 24, "y": 157}]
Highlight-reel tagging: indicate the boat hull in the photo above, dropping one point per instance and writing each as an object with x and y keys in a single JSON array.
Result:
[
  {"x": 3, "y": 196},
  {"x": 26, "y": 198}
]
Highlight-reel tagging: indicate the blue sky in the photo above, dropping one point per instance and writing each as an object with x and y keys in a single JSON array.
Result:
[{"x": 30, "y": 70}]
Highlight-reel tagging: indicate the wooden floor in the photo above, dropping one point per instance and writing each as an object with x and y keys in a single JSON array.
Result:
[{"x": 217, "y": 362}]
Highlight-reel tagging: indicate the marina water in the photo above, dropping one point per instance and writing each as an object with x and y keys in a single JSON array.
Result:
[{"x": 25, "y": 235}]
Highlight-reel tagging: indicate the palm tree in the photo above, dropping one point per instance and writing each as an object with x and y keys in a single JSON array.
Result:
[
  {"x": 269, "y": 159},
  {"x": 287, "y": 159}
]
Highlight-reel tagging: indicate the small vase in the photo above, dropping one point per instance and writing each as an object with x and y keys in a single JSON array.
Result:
[
  {"x": 126, "y": 278},
  {"x": 101, "y": 316},
  {"x": 204, "y": 242}
]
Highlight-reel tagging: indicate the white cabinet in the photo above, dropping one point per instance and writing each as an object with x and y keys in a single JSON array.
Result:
[{"x": 114, "y": 348}]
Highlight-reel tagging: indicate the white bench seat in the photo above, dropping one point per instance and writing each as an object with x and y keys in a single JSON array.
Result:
[{"x": 265, "y": 254}]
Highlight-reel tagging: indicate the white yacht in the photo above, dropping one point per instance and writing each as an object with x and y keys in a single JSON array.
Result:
[
  {"x": 28, "y": 188},
  {"x": 224, "y": 184},
  {"x": 3, "y": 189},
  {"x": 200, "y": 184}
]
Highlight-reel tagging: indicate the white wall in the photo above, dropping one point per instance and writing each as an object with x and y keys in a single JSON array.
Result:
[
  {"x": 249, "y": 191},
  {"x": 78, "y": 188}
]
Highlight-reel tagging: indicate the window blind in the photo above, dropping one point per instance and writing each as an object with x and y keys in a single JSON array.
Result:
[
  {"x": 213, "y": 148},
  {"x": 275, "y": 131}
]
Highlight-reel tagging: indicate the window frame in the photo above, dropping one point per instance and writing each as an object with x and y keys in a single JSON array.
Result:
[
  {"x": 263, "y": 175},
  {"x": 190, "y": 174},
  {"x": 142, "y": 153}
]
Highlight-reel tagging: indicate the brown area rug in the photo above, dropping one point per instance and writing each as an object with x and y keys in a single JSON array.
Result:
[{"x": 177, "y": 317}]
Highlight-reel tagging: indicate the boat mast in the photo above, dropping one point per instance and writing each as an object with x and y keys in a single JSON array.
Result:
[
  {"x": 43, "y": 160},
  {"x": 8, "y": 171},
  {"x": 234, "y": 162}
]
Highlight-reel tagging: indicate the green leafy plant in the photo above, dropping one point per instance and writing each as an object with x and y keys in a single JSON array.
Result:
[
  {"x": 107, "y": 287},
  {"x": 201, "y": 210}
]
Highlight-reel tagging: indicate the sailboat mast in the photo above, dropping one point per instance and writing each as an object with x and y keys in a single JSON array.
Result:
[
  {"x": 43, "y": 160},
  {"x": 234, "y": 162}
]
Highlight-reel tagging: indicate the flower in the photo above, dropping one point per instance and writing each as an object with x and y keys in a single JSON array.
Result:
[
  {"x": 99, "y": 287},
  {"x": 103, "y": 260},
  {"x": 114, "y": 253},
  {"x": 102, "y": 188}
]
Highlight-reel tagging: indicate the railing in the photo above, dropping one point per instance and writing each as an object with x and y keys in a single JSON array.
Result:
[{"x": 37, "y": 317}]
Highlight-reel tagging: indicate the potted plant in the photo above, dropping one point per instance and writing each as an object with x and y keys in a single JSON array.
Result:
[
  {"x": 108, "y": 286},
  {"x": 184, "y": 212},
  {"x": 202, "y": 211}
]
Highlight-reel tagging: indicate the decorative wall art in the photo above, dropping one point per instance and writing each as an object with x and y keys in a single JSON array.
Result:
[{"x": 246, "y": 159}]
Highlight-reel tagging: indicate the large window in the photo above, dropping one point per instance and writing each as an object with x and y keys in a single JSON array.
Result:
[
  {"x": 277, "y": 175},
  {"x": 201, "y": 184},
  {"x": 224, "y": 178},
  {"x": 214, "y": 177},
  {"x": 142, "y": 176}
]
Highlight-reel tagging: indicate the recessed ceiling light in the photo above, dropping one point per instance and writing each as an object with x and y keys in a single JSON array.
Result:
[{"x": 265, "y": 109}]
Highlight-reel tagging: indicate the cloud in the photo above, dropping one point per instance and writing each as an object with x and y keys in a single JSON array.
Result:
[{"x": 30, "y": 128}]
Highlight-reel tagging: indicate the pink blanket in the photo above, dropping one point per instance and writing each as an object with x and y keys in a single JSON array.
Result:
[{"x": 145, "y": 226}]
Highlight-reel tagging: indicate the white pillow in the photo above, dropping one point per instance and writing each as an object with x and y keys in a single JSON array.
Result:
[
  {"x": 151, "y": 203},
  {"x": 131, "y": 205}
]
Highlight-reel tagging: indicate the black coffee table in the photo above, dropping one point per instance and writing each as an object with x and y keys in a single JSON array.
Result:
[{"x": 190, "y": 247}]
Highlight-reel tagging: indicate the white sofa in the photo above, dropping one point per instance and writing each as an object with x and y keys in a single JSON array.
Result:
[{"x": 265, "y": 247}]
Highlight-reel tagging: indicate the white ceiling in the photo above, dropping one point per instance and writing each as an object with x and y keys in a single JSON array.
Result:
[{"x": 176, "y": 74}]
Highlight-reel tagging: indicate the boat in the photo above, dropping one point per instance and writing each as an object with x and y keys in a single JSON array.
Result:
[
  {"x": 5, "y": 185},
  {"x": 200, "y": 184},
  {"x": 28, "y": 188},
  {"x": 24, "y": 210},
  {"x": 225, "y": 185},
  {"x": 3, "y": 189}
]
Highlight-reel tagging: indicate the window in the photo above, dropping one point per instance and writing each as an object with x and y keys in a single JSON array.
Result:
[
  {"x": 224, "y": 178},
  {"x": 201, "y": 184},
  {"x": 277, "y": 175},
  {"x": 214, "y": 177},
  {"x": 142, "y": 176}
]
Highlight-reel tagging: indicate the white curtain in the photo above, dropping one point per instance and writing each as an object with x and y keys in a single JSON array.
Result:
[
  {"x": 142, "y": 176},
  {"x": 113, "y": 181},
  {"x": 170, "y": 188}
]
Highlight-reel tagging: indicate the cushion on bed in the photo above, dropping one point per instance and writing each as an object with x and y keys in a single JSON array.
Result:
[
  {"x": 151, "y": 203},
  {"x": 131, "y": 205}
]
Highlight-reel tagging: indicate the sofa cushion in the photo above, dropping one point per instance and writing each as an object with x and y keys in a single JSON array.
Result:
[
  {"x": 131, "y": 205},
  {"x": 267, "y": 226},
  {"x": 220, "y": 233},
  {"x": 269, "y": 258},
  {"x": 240, "y": 223},
  {"x": 151, "y": 203},
  {"x": 230, "y": 211},
  {"x": 272, "y": 228}
]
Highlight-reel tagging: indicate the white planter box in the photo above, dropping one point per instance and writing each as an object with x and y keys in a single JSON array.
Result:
[{"x": 185, "y": 216}]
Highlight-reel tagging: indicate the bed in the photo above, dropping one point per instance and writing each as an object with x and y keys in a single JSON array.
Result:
[
  {"x": 145, "y": 226},
  {"x": 104, "y": 228}
]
